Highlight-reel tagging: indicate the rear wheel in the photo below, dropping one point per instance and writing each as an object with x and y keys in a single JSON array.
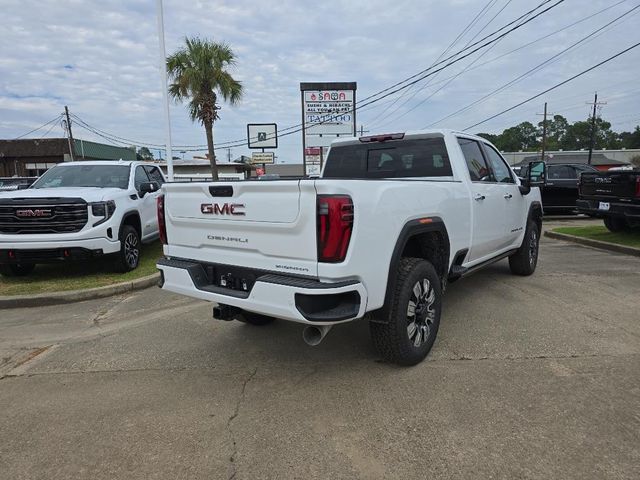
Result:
[
  {"x": 17, "y": 269},
  {"x": 255, "y": 318},
  {"x": 616, "y": 224},
  {"x": 413, "y": 318},
  {"x": 524, "y": 261}
]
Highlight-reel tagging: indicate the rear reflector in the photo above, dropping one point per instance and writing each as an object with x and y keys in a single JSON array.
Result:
[
  {"x": 162, "y": 226},
  {"x": 335, "y": 223},
  {"x": 638, "y": 186}
]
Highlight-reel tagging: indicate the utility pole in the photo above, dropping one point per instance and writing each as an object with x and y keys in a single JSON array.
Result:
[
  {"x": 165, "y": 93},
  {"x": 229, "y": 155},
  {"x": 70, "y": 135},
  {"x": 593, "y": 125},
  {"x": 544, "y": 130},
  {"x": 363, "y": 131}
]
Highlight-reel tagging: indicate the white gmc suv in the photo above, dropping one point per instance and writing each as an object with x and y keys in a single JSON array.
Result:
[
  {"x": 79, "y": 210},
  {"x": 393, "y": 218}
]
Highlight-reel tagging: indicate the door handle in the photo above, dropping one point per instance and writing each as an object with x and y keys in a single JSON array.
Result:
[
  {"x": 478, "y": 197},
  {"x": 508, "y": 195}
]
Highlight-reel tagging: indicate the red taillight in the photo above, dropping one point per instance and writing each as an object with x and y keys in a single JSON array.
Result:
[
  {"x": 638, "y": 186},
  {"x": 162, "y": 226},
  {"x": 335, "y": 222}
]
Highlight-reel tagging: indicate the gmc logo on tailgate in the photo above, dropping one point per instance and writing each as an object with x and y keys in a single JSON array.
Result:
[
  {"x": 28, "y": 212},
  {"x": 222, "y": 209}
]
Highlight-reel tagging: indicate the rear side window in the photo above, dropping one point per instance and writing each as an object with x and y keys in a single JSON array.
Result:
[
  {"x": 561, "y": 172},
  {"x": 154, "y": 175},
  {"x": 395, "y": 159},
  {"x": 476, "y": 163}
]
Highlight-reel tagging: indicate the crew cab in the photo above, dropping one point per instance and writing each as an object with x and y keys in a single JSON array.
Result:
[
  {"x": 392, "y": 219},
  {"x": 613, "y": 195},
  {"x": 80, "y": 210}
]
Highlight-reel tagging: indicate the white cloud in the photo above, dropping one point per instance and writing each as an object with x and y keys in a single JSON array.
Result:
[{"x": 101, "y": 59}]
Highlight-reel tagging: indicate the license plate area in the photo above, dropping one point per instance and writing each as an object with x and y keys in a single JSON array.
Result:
[
  {"x": 231, "y": 278},
  {"x": 603, "y": 206}
]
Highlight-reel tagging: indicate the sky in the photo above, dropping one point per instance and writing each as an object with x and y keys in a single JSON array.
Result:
[{"x": 102, "y": 60}]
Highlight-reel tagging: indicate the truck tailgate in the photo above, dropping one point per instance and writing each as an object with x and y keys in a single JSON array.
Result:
[
  {"x": 267, "y": 225},
  {"x": 608, "y": 184}
]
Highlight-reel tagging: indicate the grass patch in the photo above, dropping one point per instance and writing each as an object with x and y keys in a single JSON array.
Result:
[
  {"x": 97, "y": 272},
  {"x": 629, "y": 239}
]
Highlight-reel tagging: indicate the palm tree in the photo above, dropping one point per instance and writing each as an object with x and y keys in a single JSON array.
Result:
[{"x": 198, "y": 71}]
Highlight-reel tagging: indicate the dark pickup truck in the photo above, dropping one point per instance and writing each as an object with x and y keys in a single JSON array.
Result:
[{"x": 613, "y": 196}]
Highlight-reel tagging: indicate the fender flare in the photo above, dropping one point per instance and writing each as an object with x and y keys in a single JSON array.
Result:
[
  {"x": 128, "y": 214},
  {"x": 409, "y": 230}
]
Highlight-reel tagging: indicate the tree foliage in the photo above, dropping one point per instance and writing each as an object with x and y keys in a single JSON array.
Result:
[
  {"x": 199, "y": 73},
  {"x": 562, "y": 135},
  {"x": 144, "y": 154}
]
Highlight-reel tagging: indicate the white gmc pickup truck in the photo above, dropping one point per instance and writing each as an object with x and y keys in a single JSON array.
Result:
[
  {"x": 77, "y": 211},
  {"x": 391, "y": 220}
]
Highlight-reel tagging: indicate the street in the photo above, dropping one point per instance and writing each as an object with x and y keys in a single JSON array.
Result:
[{"x": 530, "y": 377}]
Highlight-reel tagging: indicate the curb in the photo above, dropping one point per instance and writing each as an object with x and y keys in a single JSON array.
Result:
[
  {"x": 612, "y": 247},
  {"x": 57, "y": 298}
]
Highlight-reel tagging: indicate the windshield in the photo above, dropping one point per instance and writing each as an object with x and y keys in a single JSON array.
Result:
[{"x": 103, "y": 176}]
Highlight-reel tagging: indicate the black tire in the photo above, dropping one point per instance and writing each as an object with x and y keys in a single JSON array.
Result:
[
  {"x": 17, "y": 269},
  {"x": 616, "y": 224},
  {"x": 128, "y": 257},
  {"x": 255, "y": 318},
  {"x": 525, "y": 260},
  {"x": 395, "y": 339}
]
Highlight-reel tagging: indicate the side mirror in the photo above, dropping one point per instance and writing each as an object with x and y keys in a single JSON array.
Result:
[
  {"x": 536, "y": 177},
  {"x": 148, "y": 187}
]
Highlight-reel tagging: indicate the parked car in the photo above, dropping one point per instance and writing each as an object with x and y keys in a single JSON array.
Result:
[
  {"x": 391, "y": 221},
  {"x": 613, "y": 196},
  {"x": 560, "y": 191},
  {"x": 77, "y": 211},
  {"x": 8, "y": 184}
]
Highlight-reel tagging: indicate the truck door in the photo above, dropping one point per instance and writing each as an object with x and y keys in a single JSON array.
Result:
[
  {"x": 487, "y": 203},
  {"x": 146, "y": 205},
  {"x": 514, "y": 204}
]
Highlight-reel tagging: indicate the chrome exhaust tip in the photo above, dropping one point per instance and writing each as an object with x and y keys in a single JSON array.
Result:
[{"x": 314, "y": 334}]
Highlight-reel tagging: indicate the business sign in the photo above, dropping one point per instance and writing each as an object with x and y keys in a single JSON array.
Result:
[
  {"x": 312, "y": 160},
  {"x": 262, "y": 135},
  {"x": 262, "y": 157},
  {"x": 328, "y": 112}
]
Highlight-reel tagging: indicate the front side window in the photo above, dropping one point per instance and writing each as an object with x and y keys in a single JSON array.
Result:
[
  {"x": 501, "y": 171},
  {"x": 155, "y": 175},
  {"x": 103, "y": 176},
  {"x": 479, "y": 170},
  {"x": 140, "y": 178},
  {"x": 395, "y": 159}
]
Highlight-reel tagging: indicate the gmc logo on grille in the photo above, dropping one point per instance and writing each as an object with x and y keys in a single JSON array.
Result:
[
  {"x": 222, "y": 209},
  {"x": 40, "y": 212}
]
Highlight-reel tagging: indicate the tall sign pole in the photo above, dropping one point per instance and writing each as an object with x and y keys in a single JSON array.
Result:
[{"x": 165, "y": 93}]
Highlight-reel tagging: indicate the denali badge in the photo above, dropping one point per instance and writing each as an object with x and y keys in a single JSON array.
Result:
[
  {"x": 40, "y": 212},
  {"x": 603, "y": 179},
  {"x": 222, "y": 209}
]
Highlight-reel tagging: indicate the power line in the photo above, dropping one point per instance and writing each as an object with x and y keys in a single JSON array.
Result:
[
  {"x": 531, "y": 70},
  {"x": 38, "y": 128},
  {"x": 452, "y": 78},
  {"x": 296, "y": 129},
  {"x": 370, "y": 100},
  {"x": 622, "y": 52}
]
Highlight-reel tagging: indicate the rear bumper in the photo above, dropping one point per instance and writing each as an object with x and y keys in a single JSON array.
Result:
[
  {"x": 616, "y": 209},
  {"x": 290, "y": 298}
]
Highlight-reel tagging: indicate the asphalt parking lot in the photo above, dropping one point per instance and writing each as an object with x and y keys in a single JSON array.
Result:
[{"x": 535, "y": 377}]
